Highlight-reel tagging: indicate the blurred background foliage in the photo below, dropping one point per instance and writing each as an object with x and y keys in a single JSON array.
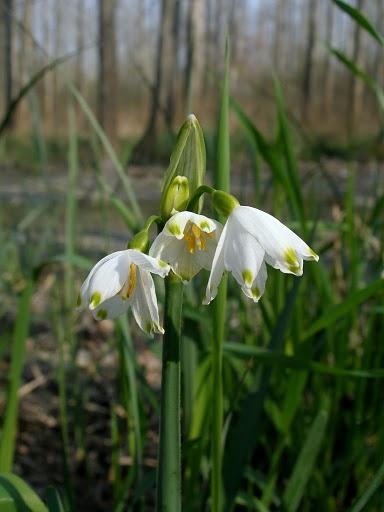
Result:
[{"x": 103, "y": 86}]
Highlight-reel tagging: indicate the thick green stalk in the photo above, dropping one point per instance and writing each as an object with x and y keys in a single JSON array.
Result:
[
  {"x": 221, "y": 182},
  {"x": 169, "y": 465}
]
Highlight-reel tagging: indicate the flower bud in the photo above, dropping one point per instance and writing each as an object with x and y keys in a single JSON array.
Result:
[
  {"x": 140, "y": 241},
  {"x": 175, "y": 198},
  {"x": 187, "y": 161},
  {"x": 224, "y": 203}
]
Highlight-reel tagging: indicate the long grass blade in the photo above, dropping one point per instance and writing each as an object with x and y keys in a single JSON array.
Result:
[
  {"x": 362, "y": 20},
  {"x": 374, "y": 486},
  {"x": 8, "y": 436},
  {"x": 306, "y": 461},
  {"x": 25, "y": 498}
]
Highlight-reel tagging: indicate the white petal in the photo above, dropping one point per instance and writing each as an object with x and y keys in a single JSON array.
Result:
[
  {"x": 285, "y": 250},
  {"x": 243, "y": 256},
  {"x": 84, "y": 296},
  {"x": 205, "y": 257},
  {"x": 105, "y": 279},
  {"x": 176, "y": 224},
  {"x": 149, "y": 263},
  {"x": 159, "y": 245},
  {"x": 175, "y": 251},
  {"x": 144, "y": 304},
  {"x": 217, "y": 268},
  {"x": 111, "y": 308},
  {"x": 258, "y": 285}
]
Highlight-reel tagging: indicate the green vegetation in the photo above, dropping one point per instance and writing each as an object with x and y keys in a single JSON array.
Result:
[{"x": 281, "y": 402}]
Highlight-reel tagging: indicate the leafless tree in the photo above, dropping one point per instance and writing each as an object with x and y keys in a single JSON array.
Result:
[
  {"x": 107, "y": 67},
  {"x": 354, "y": 84},
  {"x": 308, "y": 57},
  {"x": 6, "y": 48}
]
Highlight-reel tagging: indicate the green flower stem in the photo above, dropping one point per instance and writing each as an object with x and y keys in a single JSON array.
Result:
[
  {"x": 194, "y": 201},
  {"x": 219, "y": 307},
  {"x": 169, "y": 465}
]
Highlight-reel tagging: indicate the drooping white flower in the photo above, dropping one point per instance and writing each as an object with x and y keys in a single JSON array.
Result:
[
  {"x": 188, "y": 243},
  {"x": 250, "y": 239},
  {"x": 123, "y": 279}
]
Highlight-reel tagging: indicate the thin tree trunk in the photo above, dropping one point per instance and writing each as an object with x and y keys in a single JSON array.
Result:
[
  {"x": 54, "y": 93},
  {"x": 145, "y": 147},
  {"x": 80, "y": 27},
  {"x": 308, "y": 62},
  {"x": 6, "y": 48},
  {"x": 173, "y": 71},
  {"x": 195, "y": 65},
  {"x": 327, "y": 72},
  {"x": 354, "y": 86},
  {"x": 278, "y": 35},
  {"x": 107, "y": 69}
]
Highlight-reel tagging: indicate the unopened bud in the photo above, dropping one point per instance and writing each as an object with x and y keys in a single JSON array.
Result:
[
  {"x": 187, "y": 161},
  {"x": 175, "y": 197},
  {"x": 224, "y": 203},
  {"x": 140, "y": 241}
]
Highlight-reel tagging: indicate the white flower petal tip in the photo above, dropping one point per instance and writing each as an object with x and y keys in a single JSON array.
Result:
[
  {"x": 121, "y": 280},
  {"x": 187, "y": 243}
]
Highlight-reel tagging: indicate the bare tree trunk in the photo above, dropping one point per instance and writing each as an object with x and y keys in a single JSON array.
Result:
[
  {"x": 194, "y": 66},
  {"x": 327, "y": 72},
  {"x": 145, "y": 147},
  {"x": 6, "y": 48},
  {"x": 80, "y": 27},
  {"x": 278, "y": 35},
  {"x": 208, "y": 44},
  {"x": 354, "y": 85},
  {"x": 107, "y": 69},
  {"x": 24, "y": 56},
  {"x": 54, "y": 114},
  {"x": 46, "y": 80},
  {"x": 308, "y": 62},
  {"x": 378, "y": 59},
  {"x": 173, "y": 68}
]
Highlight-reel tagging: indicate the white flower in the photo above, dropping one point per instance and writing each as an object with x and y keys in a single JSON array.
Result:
[
  {"x": 120, "y": 280},
  {"x": 188, "y": 243},
  {"x": 250, "y": 239}
]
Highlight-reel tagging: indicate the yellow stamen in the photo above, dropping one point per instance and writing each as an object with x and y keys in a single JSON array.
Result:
[
  {"x": 195, "y": 237},
  {"x": 132, "y": 279}
]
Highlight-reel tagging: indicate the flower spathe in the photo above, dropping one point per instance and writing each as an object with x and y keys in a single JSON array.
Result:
[
  {"x": 122, "y": 280},
  {"x": 250, "y": 239},
  {"x": 188, "y": 243}
]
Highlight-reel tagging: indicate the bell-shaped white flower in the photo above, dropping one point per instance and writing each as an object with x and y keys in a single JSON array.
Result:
[
  {"x": 188, "y": 243},
  {"x": 123, "y": 279},
  {"x": 250, "y": 239}
]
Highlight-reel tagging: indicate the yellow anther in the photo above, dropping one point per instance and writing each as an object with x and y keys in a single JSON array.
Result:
[
  {"x": 132, "y": 279},
  {"x": 195, "y": 237},
  {"x": 196, "y": 231}
]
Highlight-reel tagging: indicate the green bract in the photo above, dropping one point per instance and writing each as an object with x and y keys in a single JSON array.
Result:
[{"x": 187, "y": 160}]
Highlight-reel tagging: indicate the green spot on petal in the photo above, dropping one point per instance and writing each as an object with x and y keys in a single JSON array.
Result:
[
  {"x": 247, "y": 276},
  {"x": 95, "y": 300},
  {"x": 204, "y": 225},
  {"x": 256, "y": 292},
  {"x": 174, "y": 229},
  {"x": 163, "y": 263},
  {"x": 78, "y": 301},
  {"x": 148, "y": 327},
  {"x": 291, "y": 260},
  {"x": 102, "y": 314},
  {"x": 313, "y": 254}
]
